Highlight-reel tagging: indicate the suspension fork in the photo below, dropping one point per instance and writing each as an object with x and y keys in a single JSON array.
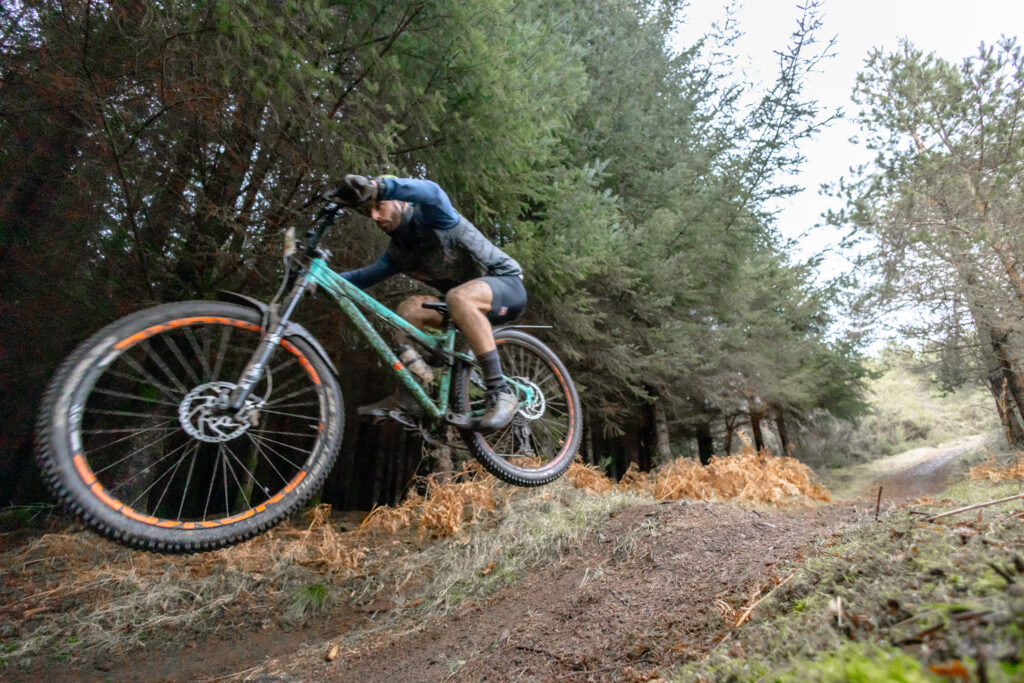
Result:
[{"x": 257, "y": 364}]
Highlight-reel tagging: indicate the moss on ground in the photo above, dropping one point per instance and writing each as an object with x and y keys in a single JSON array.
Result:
[{"x": 902, "y": 599}]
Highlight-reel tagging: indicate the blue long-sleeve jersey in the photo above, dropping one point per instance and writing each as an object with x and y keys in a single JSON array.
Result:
[{"x": 432, "y": 243}]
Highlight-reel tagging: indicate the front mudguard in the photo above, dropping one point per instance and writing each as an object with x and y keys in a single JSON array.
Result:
[{"x": 293, "y": 329}]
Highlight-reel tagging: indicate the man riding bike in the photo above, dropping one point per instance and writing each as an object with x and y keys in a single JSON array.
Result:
[{"x": 434, "y": 244}]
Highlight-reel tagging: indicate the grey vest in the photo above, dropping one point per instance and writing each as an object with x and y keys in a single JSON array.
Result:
[{"x": 446, "y": 258}]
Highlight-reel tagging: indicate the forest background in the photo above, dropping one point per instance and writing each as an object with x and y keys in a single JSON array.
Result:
[{"x": 154, "y": 152}]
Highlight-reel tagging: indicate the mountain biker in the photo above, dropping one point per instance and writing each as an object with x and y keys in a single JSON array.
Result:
[{"x": 433, "y": 243}]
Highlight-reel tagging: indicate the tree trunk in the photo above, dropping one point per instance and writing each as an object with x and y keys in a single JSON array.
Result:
[
  {"x": 730, "y": 431},
  {"x": 662, "y": 448},
  {"x": 705, "y": 446},
  {"x": 443, "y": 466},
  {"x": 1008, "y": 366},
  {"x": 1012, "y": 428},
  {"x": 755, "y": 426},
  {"x": 780, "y": 424}
]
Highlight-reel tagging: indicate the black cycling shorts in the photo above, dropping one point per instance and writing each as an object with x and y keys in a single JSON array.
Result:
[{"x": 508, "y": 297}]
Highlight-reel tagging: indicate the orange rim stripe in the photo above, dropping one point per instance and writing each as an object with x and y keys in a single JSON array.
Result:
[
  {"x": 128, "y": 512},
  {"x": 181, "y": 322},
  {"x": 302, "y": 360},
  {"x": 102, "y": 495},
  {"x": 238, "y": 518},
  {"x": 295, "y": 482},
  {"x": 83, "y": 470}
]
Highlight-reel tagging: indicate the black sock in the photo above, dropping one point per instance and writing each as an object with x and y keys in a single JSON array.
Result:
[{"x": 491, "y": 366}]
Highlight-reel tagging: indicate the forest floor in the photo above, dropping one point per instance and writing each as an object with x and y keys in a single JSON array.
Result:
[{"x": 575, "y": 590}]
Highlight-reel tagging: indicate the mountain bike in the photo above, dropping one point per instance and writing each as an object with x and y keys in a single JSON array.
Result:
[{"x": 196, "y": 425}]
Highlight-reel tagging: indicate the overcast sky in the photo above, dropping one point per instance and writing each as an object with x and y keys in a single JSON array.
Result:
[{"x": 951, "y": 29}]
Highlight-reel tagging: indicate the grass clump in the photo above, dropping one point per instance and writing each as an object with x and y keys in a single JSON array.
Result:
[
  {"x": 309, "y": 600},
  {"x": 522, "y": 531},
  {"x": 901, "y": 599}
]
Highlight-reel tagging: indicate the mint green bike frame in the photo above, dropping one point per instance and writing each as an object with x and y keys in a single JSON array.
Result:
[{"x": 351, "y": 299}]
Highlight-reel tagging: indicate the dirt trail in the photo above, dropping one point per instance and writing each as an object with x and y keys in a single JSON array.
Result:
[
  {"x": 661, "y": 585},
  {"x": 923, "y": 471},
  {"x": 658, "y": 586}
]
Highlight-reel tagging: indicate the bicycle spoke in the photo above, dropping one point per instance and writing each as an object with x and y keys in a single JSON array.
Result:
[
  {"x": 304, "y": 390},
  {"x": 145, "y": 374},
  {"x": 278, "y": 412},
  {"x": 121, "y": 430},
  {"x": 188, "y": 481},
  {"x": 281, "y": 433},
  {"x": 224, "y": 469},
  {"x": 157, "y": 480},
  {"x": 126, "y": 413},
  {"x": 241, "y": 488},
  {"x": 155, "y": 357},
  {"x": 137, "y": 450},
  {"x": 250, "y": 474},
  {"x": 144, "y": 470},
  {"x": 270, "y": 462},
  {"x": 121, "y": 394},
  {"x": 200, "y": 352},
  {"x": 181, "y": 359},
  {"x": 263, "y": 440},
  {"x": 128, "y": 436},
  {"x": 225, "y": 335},
  {"x": 195, "y": 447},
  {"x": 213, "y": 480},
  {"x": 307, "y": 404}
]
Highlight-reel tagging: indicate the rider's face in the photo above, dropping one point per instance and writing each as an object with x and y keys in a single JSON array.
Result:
[{"x": 387, "y": 214}]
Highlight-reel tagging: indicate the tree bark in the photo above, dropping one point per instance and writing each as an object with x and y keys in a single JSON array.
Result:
[
  {"x": 755, "y": 426},
  {"x": 1008, "y": 366},
  {"x": 443, "y": 466},
  {"x": 662, "y": 447},
  {"x": 1012, "y": 428},
  {"x": 730, "y": 431},
  {"x": 780, "y": 424},
  {"x": 705, "y": 445}
]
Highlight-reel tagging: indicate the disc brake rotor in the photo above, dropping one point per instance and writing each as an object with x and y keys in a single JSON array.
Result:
[
  {"x": 535, "y": 405},
  {"x": 202, "y": 416}
]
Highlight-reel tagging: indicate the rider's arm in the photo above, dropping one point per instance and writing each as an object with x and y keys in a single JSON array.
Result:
[
  {"x": 434, "y": 204},
  {"x": 367, "y": 276}
]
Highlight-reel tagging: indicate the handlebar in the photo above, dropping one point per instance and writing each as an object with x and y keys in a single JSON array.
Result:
[{"x": 324, "y": 219}]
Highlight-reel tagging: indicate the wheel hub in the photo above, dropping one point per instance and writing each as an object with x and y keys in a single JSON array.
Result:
[
  {"x": 534, "y": 405},
  {"x": 202, "y": 413}
]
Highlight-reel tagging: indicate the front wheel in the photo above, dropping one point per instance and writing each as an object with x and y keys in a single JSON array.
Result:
[
  {"x": 540, "y": 443},
  {"x": 134, "y": 436}
]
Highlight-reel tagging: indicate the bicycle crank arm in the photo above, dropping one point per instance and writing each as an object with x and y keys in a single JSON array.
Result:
[{"x": 460, "y": 420}]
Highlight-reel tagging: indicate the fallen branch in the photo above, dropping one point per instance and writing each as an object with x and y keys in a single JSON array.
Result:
[
  {"x": 974, "y": 507},
  {"x": 750, "y": 609}
]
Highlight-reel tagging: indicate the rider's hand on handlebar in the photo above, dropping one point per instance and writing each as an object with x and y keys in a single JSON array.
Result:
[{"x": 355, "y": 192}]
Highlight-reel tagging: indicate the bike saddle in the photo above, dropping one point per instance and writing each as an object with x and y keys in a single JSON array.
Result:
[{"x": 439, "y": 306}]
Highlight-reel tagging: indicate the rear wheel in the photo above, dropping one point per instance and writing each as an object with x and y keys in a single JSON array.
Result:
[
  {"x": 540, "y": 443},
  {"x": 133, "y": 436}
]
